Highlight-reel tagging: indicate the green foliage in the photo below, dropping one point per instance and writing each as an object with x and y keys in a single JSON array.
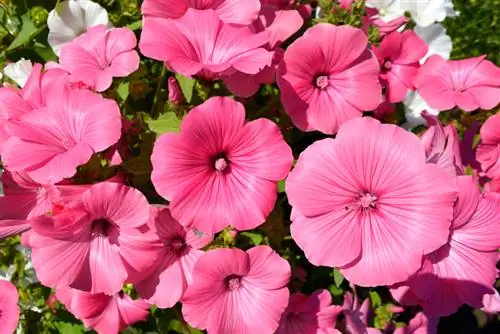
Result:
[{"x": 476, "y": 31}]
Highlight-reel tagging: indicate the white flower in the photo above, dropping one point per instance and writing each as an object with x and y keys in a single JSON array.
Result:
[
  {"x": 436, "y": 38},
  {"x": 426, "y": 12},
  {"x": 414, "y": 106},
  {"x": 19, "y": 71},
  {"x": 72, "y": 18},
  {"x": 388, "y": 10}
]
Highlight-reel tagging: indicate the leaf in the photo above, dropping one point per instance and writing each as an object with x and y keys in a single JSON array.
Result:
[
  {"x": 375, "y": 298},
  {"x": 135, "y": 25},
  {"x": 274, "y": 227},
  {"x": 167, "y": 122},
  {"x": 281, "y": 186},
  {"x": 46, "y": 53},
  {"x": 256, "y": 238},
  {"x": 69, "y": 328},
  {"x": 187, "y": 86},
  {"x": 27, "y": 31},
  {"x": 338, "y": 277},
  {"x": 123, "y": 90}
]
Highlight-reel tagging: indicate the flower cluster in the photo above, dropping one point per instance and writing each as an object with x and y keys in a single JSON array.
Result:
[{"x": 415, "y": 212}]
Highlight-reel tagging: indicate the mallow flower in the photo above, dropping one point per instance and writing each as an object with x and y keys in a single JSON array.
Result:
[
  {"x": 368, "y": 202},
  {"x": 19, "y": 71},
  {"x": 237, "y": 292},
  {"x": 9, "y": 310},
  {"x": 219, "y": 165},
  {"x": 72, "y": 18},
  {"x": 488, "y": 149}
]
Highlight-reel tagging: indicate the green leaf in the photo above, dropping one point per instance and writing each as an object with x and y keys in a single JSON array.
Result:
[
  {"x": 375, "y": 298},
  {"x": 281, "y": 186},
  {"x": 187, "y": 86},
  {"x": 256, "y": 238},
  {"x": 45, "y": 52},
  {"x": 27, "y": 31},
  {"x": 167, "y": 122},
  {"x": 135, "y": 25},
  {"x": 338, "y": 277},
  {"x": 69, "y": 328},
  {"x": 123, "y": 90}
]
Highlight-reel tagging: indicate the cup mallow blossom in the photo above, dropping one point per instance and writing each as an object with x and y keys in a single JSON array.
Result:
[
  {"x": 398, "y": 56},
  {"x": 468, "y": 84},
  {"x": 241, "y": 12},
  {"x": 9, "y": 310},
  {"x": 309, "y": 314},
  {"x": 237, "y": 292},
  {"x": 358, "y": 205},
  {"x": 218, "y": 165},
  {"x": 62, "y": 135},
  {"x": 99, "y": 55},
  {"x": 19, "y": 71},
  {"x": 464, "y": 269},
  {"x": 426, "y": 12},
  {"x": 95, "y": 243},
  {"x": 199, "y": 43},
  {"x": 178, "y": 250},
  {"x": 488, "y": 149},
  {"x": 327, "y": 77},
  {"x": 72, "y": 18},
  {"x": 415, "y": 106},
  {"x": 101, "y": 312}
]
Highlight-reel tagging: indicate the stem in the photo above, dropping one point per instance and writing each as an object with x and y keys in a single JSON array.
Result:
[
  {"x": 184, "y": 327},
  {"x": 157, "y": 91}
]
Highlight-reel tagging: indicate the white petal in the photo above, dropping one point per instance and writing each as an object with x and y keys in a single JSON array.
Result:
[
  {"x": 388, "y": 9},
  {"x": 414, "y": 106},
  {"x": 73, "y": 18},
  {"x": 426, "y": 12},
  {"x": 19, "y": 71},
  {"x": 436, "y": 38}
]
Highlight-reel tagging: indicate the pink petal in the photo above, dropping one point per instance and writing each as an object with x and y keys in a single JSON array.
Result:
[{"x": 124, "y": 206}]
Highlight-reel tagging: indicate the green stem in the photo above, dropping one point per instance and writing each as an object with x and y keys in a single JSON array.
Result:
[
  {"x": 184, "y": 327},
  {"x": 157, "y": 92}
]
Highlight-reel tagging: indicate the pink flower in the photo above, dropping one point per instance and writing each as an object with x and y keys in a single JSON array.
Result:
[
  {"x": 463, "y": 270},
  {"x": 16, "y": 102},
  {"x": 420, "y": 324},
  {"x": 105, "y": 235},
  {"x": 242, "y": 12},
  {"x": 99, "y": 55},
  {"x": 442, "y": 146},
  {"x": 372, "y": 17},
  {"x": 61, "y": 136},
  {"x": 103, "y": 313},
  {"x": 9, "y": 311},
  {"x": 174, "y": 91},
  {"x": 201, "y": 44},
  {"x": 399, "y": 55},
  {"x": 491, "y": 303},
  {"x": 178, "y": 252},
  {"x": 356, "y": 314},
  {"x": 25, "y": 199},
  {"x": 346, "y": 4},
  {"x": 327, "y": 77},
  {"x": 368, "y": 202},
  {"x": 308, "y": 314},
  {"x": 281, "y": 25},
  {"x": 488, "y": 149},
  {"x": 237, "y": 292},
  {"x": 218, "y": 167},
  {"x": 468, "y": 83}
]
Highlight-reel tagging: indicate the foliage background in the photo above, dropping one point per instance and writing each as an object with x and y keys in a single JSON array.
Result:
[{"x": 143, "y": 100}]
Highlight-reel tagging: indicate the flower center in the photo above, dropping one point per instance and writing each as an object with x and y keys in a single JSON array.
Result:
[
  {"x": 233, "y": 282},
  {"x": 101, "y": 228},
  {"x": 220, "y": 164},
  {"x": 177, "y": 245},
  {"x": 322, "y": 81},
  {"x": 387, "y": 64},
  {"x": 367, "y": 201}
]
